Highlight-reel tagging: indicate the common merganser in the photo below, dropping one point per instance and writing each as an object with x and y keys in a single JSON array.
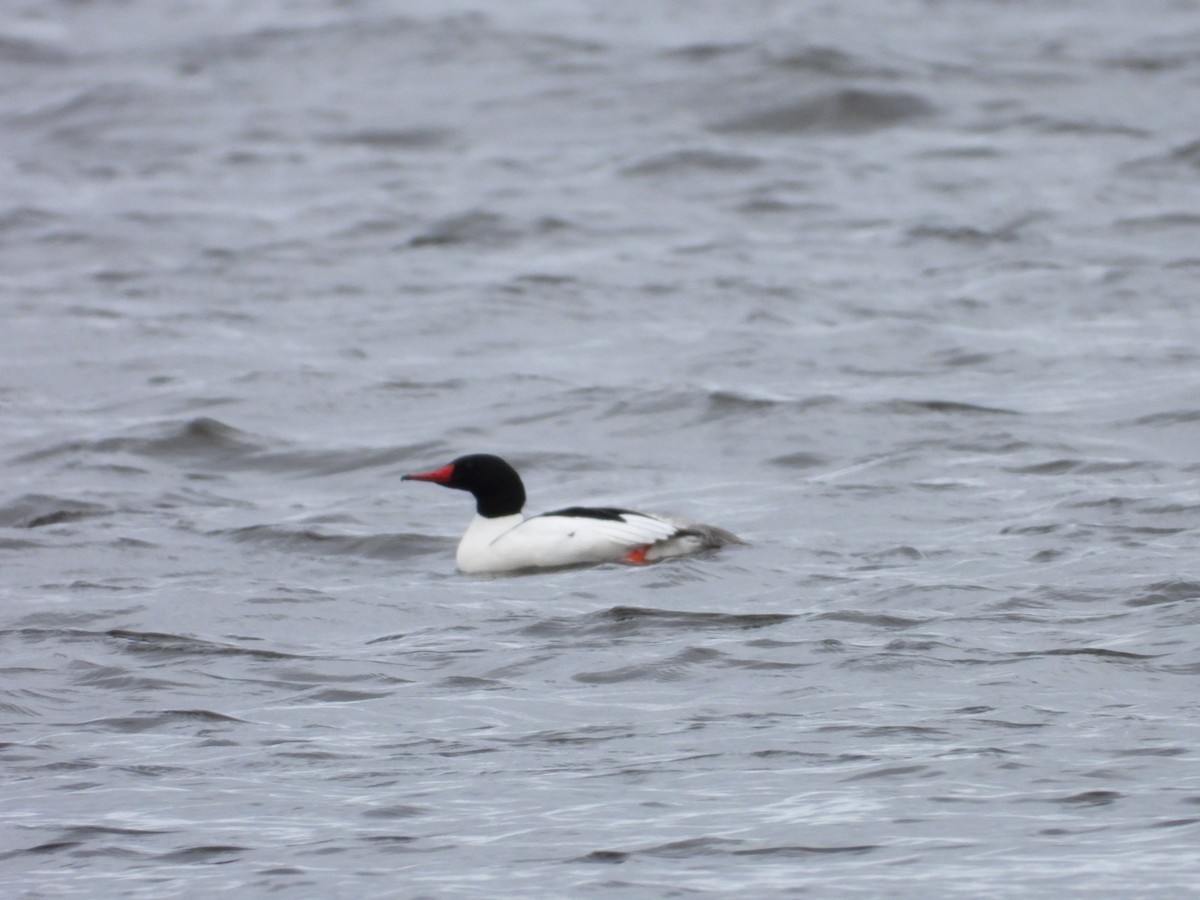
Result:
[{"x": 501, "y": 539}]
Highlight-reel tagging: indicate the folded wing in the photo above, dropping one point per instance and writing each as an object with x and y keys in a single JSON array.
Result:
[{"x": 583, "y": 534}]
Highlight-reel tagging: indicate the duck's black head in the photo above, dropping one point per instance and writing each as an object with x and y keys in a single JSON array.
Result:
[{"x": 496, "y": 485}]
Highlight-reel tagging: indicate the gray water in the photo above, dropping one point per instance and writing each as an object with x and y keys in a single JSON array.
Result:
[{"x": 902, "y": 292}]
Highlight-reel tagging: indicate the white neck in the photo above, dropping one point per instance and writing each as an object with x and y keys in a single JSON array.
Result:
[{"x": 475, "y": 550}]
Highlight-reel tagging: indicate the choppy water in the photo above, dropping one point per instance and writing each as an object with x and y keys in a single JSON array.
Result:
[{"x": 905, "y": 293}]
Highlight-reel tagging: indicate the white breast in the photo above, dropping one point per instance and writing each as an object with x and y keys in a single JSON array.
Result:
[{"x": 512, "y": 542}]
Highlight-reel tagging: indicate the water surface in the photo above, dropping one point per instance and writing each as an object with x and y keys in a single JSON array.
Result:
[{"x": 903, "y": 293}]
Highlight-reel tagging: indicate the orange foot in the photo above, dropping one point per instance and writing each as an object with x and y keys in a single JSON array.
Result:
[{"x": 637, "y": 555}]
